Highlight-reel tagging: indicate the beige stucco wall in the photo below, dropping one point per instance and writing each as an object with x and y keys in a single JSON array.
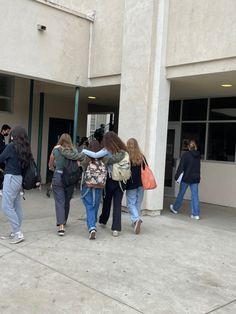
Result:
[
  {"x": 106, "y": 34},
  {"x": 58, "y": 54},
  {"x": 136, "y": 58},
  {"x": 201, "y": 37},
  {"x": 56, "y": 106},
  {"x": 201, "y": 30},
  {"x": 217, "y": 186}
]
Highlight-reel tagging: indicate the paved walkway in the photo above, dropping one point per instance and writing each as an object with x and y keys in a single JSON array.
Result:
[{"x": 176, "y": 265}]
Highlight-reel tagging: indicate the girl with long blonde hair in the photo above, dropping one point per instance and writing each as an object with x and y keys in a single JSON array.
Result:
[{"x": 134, "y": 187}]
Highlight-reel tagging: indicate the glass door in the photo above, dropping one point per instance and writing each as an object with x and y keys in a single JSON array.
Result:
[{"x": 172, "y": 154}]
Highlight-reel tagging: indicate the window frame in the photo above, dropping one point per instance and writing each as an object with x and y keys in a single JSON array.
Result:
[{"x": 208, "y": 122}]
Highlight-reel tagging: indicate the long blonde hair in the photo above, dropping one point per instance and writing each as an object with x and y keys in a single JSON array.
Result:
[
  {"x": 65, "y": 140},
  {"x": 135, "y": 154}
]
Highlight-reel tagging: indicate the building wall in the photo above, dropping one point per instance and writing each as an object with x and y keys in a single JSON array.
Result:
[
  {"x": 217, "y": 186},
  {"x": 201, "y": 37},
  {"x": 59, "y": 54},
  {"x": 106, "y": 34},
  {"x": 199, "y": 31},
  {"x": 55, "y": 106}
]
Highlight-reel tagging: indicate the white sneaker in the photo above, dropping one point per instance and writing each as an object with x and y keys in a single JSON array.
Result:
[
  {"x": 0, "y": 192},
  {"x": 19, "y": 237},
  {"x": 92, "y": 235},
  {"x": 102, "y": 225},
  {"x": 8, "y": 237},
  {"x": 172, "y": 209},
  {"x": 115, "y": 233},
  {"x": 195, "y": 217}
]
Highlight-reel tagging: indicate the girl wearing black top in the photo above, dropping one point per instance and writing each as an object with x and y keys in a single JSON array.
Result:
[
  {"x": 189, "y": 170},
  {"x": 134, "y": 187},
  {"x": 16, "y": 157}
]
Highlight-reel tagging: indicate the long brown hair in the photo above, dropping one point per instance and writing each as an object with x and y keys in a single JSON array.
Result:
[
  {"x": 21, "y": 142},
  {"x": 113, "y": 143},
  {"x": 135, "y": 154},
  {"x": 65, "y": 140}
]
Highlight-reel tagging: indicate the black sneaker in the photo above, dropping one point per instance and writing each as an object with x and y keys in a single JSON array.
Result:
[{"x": 61, "y": 232}]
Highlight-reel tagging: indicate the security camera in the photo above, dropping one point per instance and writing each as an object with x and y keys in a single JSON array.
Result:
[{"x": 41, "y": 27}]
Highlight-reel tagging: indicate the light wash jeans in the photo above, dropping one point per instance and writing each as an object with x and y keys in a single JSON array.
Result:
[
  {"x": 134, "y": 200},
  {"x": 11, "y": 201},
  {"x": 91, "y": 198},
  {"x": 194, "y": 197}
]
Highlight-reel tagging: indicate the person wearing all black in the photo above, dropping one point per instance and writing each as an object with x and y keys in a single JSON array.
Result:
[
  {"x": 99, "y": 133},
  {"x": 188, "y": 173}
]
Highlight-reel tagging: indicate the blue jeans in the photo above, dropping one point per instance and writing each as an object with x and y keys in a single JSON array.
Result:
[
  {"x": 91, "y": 198},
  {"x": 11, "y": 202},
  {"x": 194, "y": 197},
  {"x": 134, "y": 201}
]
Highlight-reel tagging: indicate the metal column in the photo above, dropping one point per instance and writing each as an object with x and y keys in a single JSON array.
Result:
[
  {"x": 31, "y": 95},
  {"x": 76, "y": 111},
  {"x": 40, "y": 130}
]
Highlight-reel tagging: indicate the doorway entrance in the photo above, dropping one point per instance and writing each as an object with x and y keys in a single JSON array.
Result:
[
  {"x": 172, "y": 154},
  {"x": 56, "y": 128}
]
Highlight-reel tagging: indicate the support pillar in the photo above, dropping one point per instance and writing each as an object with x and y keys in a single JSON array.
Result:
[
  {"x": 40, "y": 130},
  {"x": 31, "y": 95},
  {"x": 157, "y": 118},
  {"x": 76, "y": 111},
  {"x": 145, "y": 90}
]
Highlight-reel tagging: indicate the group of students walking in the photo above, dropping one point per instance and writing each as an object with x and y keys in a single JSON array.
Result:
[{"x": 101, "y": 157}]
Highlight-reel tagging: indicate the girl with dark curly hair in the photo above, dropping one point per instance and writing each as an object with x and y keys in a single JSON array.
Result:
[{"x": 16, "y": 156}]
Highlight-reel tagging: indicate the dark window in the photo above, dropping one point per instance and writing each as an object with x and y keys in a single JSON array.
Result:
[
  {"x": 223, "y": 108},
  {"x": 194, "y": 110},
  {"x": 174, "y": 110},
  {"x": 5, "y": 104},
  {"x": 196, "y": 131},
  {"x": 221, "y": 141},
  {"x": 5, "y": 93}
]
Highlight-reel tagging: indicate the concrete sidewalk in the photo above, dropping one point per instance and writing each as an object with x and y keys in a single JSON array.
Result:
[{"x": 176, "y": 265}]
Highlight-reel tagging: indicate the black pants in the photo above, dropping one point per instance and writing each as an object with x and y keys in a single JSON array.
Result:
[
  {"x": 112, "y": 192},
  {"x": 2, "y": 166},
  {"x": 62, "y": 196}
]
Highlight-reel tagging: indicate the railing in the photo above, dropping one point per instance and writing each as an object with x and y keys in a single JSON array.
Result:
[{"x": 106, "y": 129}]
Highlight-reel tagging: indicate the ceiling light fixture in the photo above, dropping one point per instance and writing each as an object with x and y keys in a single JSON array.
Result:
[
  {"x": 91, "y": 97},
  {"x": 226, "y": 85}
]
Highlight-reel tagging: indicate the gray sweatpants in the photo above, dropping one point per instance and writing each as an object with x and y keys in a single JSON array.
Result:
[{"x": 62, "y": 196}]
